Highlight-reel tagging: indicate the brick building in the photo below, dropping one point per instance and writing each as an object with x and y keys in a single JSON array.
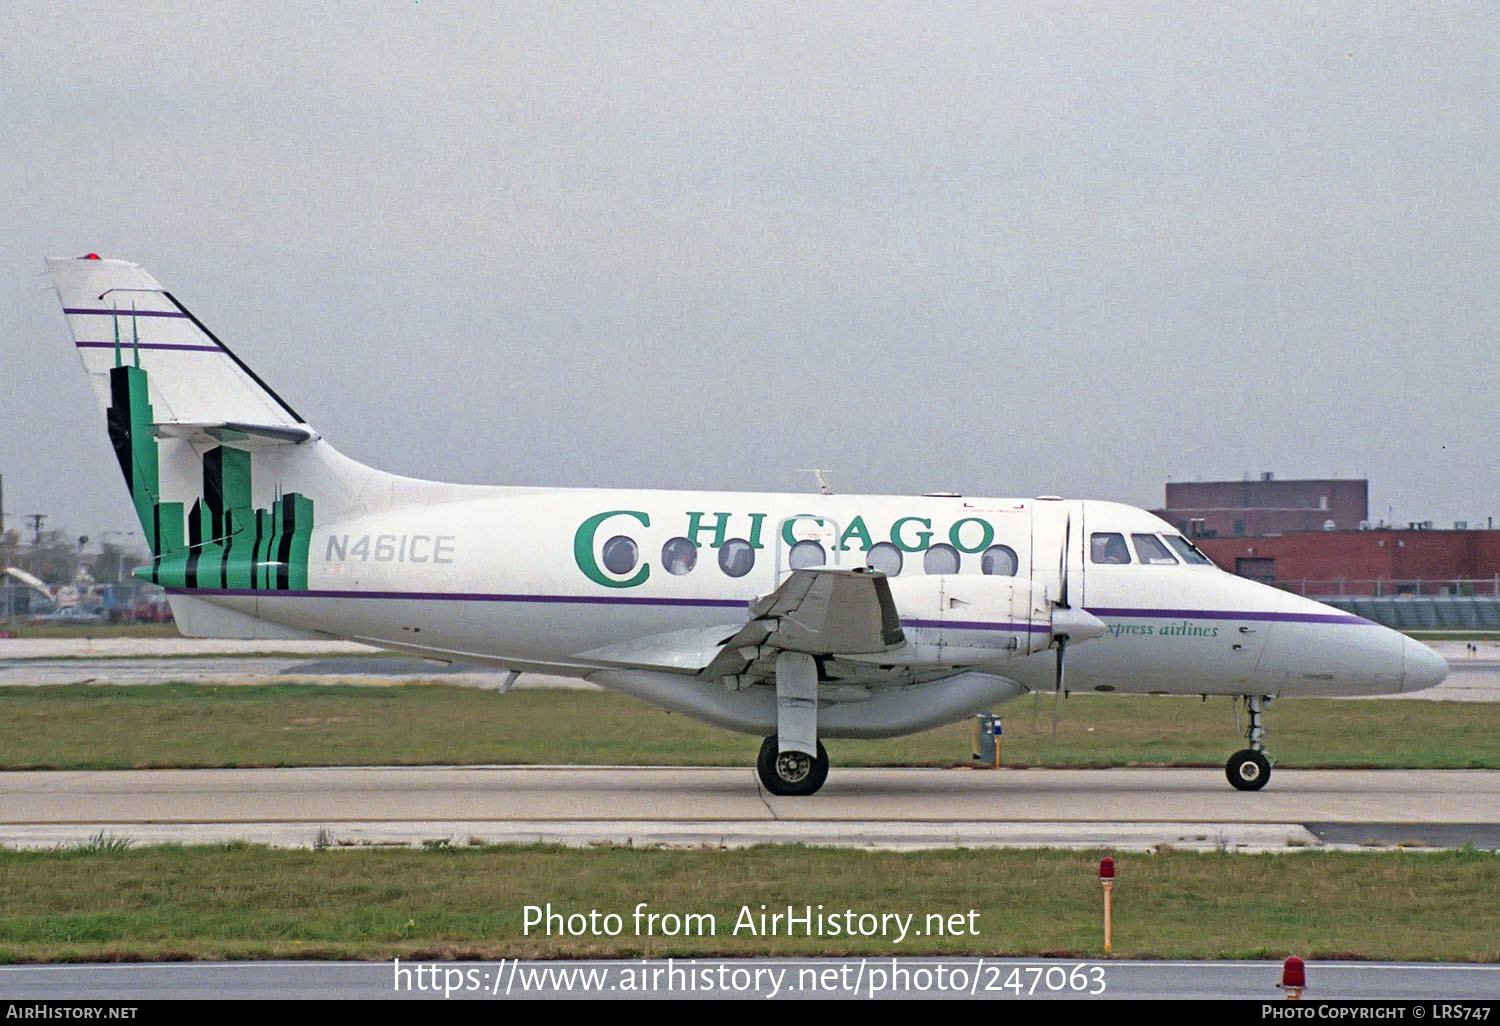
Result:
[
  {"x": 1239, "y": 509},
  {"x": 1314, "y": 536},
  {"x": 1377, "y": 562}
]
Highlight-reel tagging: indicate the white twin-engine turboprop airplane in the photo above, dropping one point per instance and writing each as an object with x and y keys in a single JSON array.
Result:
[{"x": 797, "y": 617}]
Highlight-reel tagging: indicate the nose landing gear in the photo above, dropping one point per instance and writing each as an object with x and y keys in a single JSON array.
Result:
[{"x": 1249, "y": 769}]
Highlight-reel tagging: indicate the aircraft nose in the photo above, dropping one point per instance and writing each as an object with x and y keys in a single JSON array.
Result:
[{"x": 1421, "y": 666}]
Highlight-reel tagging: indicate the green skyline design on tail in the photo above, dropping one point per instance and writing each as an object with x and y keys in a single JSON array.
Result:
[{"x": 222, "y": 542}]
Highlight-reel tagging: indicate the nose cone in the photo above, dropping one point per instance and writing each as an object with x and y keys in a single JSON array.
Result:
[{"x": 1421, "y": 666}]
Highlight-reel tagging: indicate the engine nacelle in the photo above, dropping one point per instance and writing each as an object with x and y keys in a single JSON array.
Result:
[{"x": 968, "y": 620}]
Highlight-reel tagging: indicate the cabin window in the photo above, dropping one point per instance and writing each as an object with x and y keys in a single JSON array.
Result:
[
  {"x": 679, "y": 556},
  {"x": 620, "y": 555},
  {"x": 1187, "y": 550},
  {"x": 1000, "y": 561},
  {"x": 736, "y": 557},
  {"x": 806, "y": 553},
  {"x": 940, "y": 559},
  {"x": 1150, "y": 550},
  {"x": 1108, "y": 547},
  {"x": 885, "y": 557}
]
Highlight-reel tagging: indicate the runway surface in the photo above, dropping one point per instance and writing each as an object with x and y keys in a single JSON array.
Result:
[
  {"x": 1130, "y": 809},
  {"x": 837, "y": 978}
]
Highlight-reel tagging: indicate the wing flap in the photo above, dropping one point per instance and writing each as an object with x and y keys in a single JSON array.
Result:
[{"x": 819, "y": 611}]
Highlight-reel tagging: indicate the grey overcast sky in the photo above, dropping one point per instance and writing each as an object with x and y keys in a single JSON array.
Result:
[{"x": 1007, "y": 249}]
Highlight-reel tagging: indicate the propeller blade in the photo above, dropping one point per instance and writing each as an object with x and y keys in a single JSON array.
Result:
[
  {"x": 1058, "y": 683},
  {"x": 1069, "y": 621},
  {"x": 1062, "y": 563}
]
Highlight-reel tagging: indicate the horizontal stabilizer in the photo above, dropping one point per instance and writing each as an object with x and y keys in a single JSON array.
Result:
[{"x": 214, "y": 432}]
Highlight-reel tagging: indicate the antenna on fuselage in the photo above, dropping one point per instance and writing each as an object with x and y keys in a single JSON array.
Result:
[{"x": 822, "y": 481}]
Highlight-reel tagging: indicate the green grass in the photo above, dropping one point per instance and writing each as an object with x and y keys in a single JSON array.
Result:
[
  {"x": 237, "y": 901},
  {"x": 105, "y": 727},
  {"x": 90, "y": 630}
]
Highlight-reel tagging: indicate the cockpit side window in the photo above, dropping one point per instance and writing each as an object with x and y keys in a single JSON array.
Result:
[
  {"x": 1108, "y": 547},
  {"x": 1187, "y": 550},
  {"x": 1150, "y": 550}
]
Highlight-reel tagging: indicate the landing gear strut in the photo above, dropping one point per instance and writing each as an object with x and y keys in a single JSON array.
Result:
[
  {"x": 791, "y": 773},
  {"x": 1249, "y": 768},
  {"x": 787, "y": 764}
]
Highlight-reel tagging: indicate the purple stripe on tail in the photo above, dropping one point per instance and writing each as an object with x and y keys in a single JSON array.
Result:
[
  {"x": 128, "y": 346},
  {"x": 74, "y": 311}
]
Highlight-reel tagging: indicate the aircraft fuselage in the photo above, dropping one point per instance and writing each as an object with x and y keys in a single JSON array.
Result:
[{"x": 579, "y": 580}]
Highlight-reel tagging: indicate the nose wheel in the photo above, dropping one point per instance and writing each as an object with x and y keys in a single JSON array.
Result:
[
  {"x": 790, "y": 773},
  {"x": 1249, "y": 769}
]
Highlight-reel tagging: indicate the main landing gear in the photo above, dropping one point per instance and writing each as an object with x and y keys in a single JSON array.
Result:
[
  {"x": 791, "y": 773},
  {"x": 1249, "y": 769},
  {"x": 787, "y": 764}
]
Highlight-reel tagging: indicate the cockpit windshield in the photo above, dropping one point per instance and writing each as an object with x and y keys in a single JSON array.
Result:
[
  {"x": 1111, "y": 547},
  {"x": 1151, "y": 551},
  {"x": 1187, "y": 550}
]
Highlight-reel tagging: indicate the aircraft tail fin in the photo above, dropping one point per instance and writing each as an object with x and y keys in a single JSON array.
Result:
[
  {"x": 226, "y": 478},
  {"x": 187, "y": 420}
]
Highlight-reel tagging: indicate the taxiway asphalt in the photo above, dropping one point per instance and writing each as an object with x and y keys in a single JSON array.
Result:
[{"x": 877, "y": 808}]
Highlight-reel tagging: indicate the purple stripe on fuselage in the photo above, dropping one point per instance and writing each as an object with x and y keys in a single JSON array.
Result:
[
  {"x": 1230, "y": 614},
  {"x": 127, "y": 346},
  {"x": 623, "y": 600},
  {"x": 85, "y": 312},
  {"x": 466, "y": 596},
  {"x": 980, "y": 625}
]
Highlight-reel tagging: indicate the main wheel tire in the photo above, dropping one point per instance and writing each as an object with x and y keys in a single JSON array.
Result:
[
  {"x": 790, "y": 774},
  {"x": 1248, "y": 770}
]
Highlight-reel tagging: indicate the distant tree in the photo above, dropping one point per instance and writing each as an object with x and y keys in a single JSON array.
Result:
[
  {"x": 55, "y": 560},
  {"x": 109, "y": 565}
]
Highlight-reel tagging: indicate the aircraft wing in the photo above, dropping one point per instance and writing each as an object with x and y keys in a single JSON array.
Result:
[{"x": 820, "y": 611}]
